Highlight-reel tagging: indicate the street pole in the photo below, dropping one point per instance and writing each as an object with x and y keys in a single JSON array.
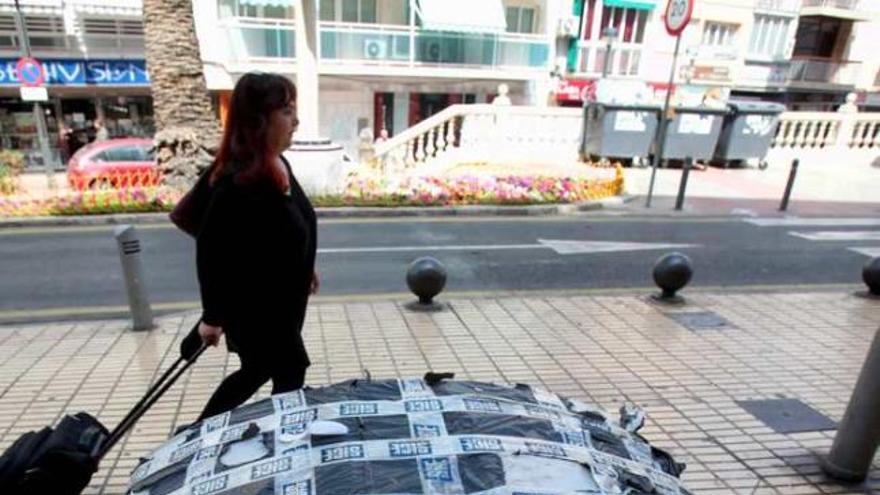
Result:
[
  {"x": 39, "y": 116},
  {"x": 660, "y": 135}
]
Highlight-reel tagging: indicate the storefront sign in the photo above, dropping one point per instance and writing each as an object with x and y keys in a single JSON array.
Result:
[
  {"x": 575, "y": 90},
  {"x": 29, "y": 93},
  {"x": 71, "y": 72}
]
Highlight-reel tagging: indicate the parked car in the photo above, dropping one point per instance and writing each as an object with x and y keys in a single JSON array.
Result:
[{"x": 126, "y": 162}]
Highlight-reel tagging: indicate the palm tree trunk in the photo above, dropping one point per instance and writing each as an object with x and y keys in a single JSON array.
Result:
[{"x": 187, "y": 129}]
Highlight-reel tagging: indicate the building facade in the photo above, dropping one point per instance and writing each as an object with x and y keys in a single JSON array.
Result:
[
  {"x": 92, "y": 52},
  {"x": 387, "y": 64},
  {"x": 807, "y": 54}
]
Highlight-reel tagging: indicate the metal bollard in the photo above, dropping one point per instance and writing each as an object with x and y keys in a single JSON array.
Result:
[
  {"x": 858, "y": 436},
  {"x": 791, "y": 175},
  {"x": 133, "y": 273},
  {"x": 688, "y": 164}
]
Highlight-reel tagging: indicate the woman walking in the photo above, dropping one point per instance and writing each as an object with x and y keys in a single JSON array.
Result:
[{"x": 256, "y": 247}]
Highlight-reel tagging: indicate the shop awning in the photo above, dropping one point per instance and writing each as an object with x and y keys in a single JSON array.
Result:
[
  {"x": 468, "y": 16},
  {"x": 268, "y": 3},
  {"x": 632, "y": 4}
]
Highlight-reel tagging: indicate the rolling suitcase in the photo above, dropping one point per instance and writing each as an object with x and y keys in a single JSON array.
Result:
[{"x": 62, "y": 460}]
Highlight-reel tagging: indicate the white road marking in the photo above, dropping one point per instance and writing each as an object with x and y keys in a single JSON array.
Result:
[
  {"x": 560, "y": 246},
  {"x": 813, "y": 222},
  {"x": 839, "y": 235}
]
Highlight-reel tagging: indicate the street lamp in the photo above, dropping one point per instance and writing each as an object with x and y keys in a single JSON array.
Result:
[{"x": 609, "y": 34}]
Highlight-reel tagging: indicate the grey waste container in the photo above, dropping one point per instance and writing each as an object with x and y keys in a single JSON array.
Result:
[
  {"x": 748, "y": 131},
  {"x": 618, "y": 130},
  {"x": 693, "y": 132}
]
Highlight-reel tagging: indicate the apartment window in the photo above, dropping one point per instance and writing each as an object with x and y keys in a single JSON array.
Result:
[
  {"x": 520, "y": 19},
  {"x": 719, "y": 34},
  {"x": 238, "y": 8},
  {"x": 770, "y": 36},
  {"x": 630, "y": 23},
  {"x": 348, "y": 11},
  {"x": 817, "y": 36}
]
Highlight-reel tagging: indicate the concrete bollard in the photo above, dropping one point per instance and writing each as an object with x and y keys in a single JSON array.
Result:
[
  {"x": 858, "y": 436},
  {"x": 671, "y": 273},
  {"x": 426, "y": 278},
  {"x": 133, "y": 274}
]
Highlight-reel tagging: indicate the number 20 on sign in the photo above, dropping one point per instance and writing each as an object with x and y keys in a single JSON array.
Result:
[{"x": 678, "y": 15}]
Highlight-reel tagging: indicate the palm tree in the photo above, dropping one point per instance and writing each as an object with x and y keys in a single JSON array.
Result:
[{"x": 187, "y": 129}]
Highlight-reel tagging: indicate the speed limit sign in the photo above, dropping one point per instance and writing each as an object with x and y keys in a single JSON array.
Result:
[{"x": 678, "y": 15}]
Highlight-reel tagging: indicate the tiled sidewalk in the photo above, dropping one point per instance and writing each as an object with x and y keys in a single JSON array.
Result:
[{"x": 604, "y": 349}]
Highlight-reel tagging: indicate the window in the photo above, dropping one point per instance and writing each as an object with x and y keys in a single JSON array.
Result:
[
  {"x": 122, "y": 154},
  {"x": 327, "y": 10},
  {"x": 630, "y": 23},
  {"x": 359, "y": 11},
  {"x": 817, "y": 36},
  {"x": 770, "y": 36},
  {"x": 520, "y": 19},
  {"x": 719, "y": 34},
  {"x": 238, "y": 8},
  {"x": 348, "y": 11}
]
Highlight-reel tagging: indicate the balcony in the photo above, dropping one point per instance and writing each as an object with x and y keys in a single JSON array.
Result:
[
  {"x": 791, "y": 7},
  {"x": 346, "y": 46},
  {"x": 402, "y": 46},
  {"x": 625, "y": 60},
  {"x": 251, "y": 40},
  {"x": 853, "y": 10},
  {"x": 812, "y": 71},
  {"x": 800, "y": 73}
]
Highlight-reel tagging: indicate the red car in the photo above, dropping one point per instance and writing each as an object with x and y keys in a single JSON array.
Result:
[{"x": 126, "y": 162}]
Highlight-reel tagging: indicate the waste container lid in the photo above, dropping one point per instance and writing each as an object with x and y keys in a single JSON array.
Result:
[
  {"x": 756, "y": 107},
  {"x": 643, "y": 107},
  {"x": 701, "y": 109}
]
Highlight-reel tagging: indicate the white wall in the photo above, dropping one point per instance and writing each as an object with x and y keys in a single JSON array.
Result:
[{"x": 340, "y": 108}]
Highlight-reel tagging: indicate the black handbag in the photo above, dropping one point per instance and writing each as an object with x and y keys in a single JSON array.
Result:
[{"x": 191, "y": 208}]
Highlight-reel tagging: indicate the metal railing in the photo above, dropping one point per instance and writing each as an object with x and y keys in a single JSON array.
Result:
[
  {"x": 784, "y": 6},
  {"x": 823, "y": 71},
  {"x": 258, "y": 40},
  {"x": 350, "y": 43},
  {"x": 834, "y": 4}
]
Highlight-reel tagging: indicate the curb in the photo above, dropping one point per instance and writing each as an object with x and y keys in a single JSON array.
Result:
[{"x": 338, "y": 212}]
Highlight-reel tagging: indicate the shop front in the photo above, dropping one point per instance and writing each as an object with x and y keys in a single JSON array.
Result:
[{"x": 81, "y": 93}]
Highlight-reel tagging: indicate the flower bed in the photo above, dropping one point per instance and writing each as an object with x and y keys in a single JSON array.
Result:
[{"x": 362, "y": 190}]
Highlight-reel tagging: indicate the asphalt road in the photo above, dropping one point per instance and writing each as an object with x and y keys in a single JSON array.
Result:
[{"x": 60, "y": 268}]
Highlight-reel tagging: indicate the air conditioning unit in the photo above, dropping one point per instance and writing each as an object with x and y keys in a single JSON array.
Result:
[
  {"x": 376, "y": 49},
  {"x": 568, "y": 26},
  {"x": 431, "y": 51}
]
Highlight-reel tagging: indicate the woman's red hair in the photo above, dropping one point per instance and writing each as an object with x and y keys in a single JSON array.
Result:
[{"x": 244, "y": 147}]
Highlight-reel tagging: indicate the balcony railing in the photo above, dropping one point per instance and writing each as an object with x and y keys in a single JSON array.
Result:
[
  {"x": 259, "y": 40},
  {"x": 823, "y": 71},
  {"x": 800, "y": 72},
  {"x": 778, "y": 6},
  {"x": 625, "y": 59},
  {"x": 347, "y": 43},
  {"x": 832, "y": 4}
]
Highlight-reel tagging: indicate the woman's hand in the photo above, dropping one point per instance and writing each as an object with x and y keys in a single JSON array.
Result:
[
  {"x": 210, "y": 334},
  {"x": 316, "y": 283}
]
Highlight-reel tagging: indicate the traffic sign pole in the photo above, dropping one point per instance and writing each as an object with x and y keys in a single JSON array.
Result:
[
  {"x": 39, "y": 116},
  {"x": 660, "y": 142},
  {"x": 678, "y": 15}
]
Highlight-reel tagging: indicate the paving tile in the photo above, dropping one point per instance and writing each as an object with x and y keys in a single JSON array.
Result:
[{"x": 602, "y": 349}]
